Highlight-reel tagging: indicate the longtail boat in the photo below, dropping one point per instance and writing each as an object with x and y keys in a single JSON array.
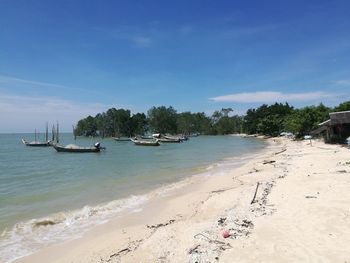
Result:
[
  {"x": 145, "y": 142},
  {"x": 72, "y": 148}
]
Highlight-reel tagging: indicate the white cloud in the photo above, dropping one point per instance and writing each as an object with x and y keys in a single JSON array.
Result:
[
  {"x": 140, "y": 41},
  {"x": 344, "y": 82},
  {"x": 271, "y": 96},
  {"x": 23, "y": 114},
  {"x": 13, "y": 81}
]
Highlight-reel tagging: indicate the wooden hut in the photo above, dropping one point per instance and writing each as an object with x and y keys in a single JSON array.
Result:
[{"x": 336, "y": 129}]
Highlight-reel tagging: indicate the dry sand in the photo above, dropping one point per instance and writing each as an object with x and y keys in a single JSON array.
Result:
[{"x": 301, "y": 213}]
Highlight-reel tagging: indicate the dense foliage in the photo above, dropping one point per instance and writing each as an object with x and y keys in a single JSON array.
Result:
[
  {"x": 120, "y": 122},
  {"x": 266, "y": 119}
]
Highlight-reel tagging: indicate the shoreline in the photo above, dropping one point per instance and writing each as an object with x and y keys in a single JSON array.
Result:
[
  {"x": 91, "y": 216},
  {"x": 186, "y": 224}
]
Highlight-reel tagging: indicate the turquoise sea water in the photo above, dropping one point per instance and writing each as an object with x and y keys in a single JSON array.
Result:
[{"x": 76, "y": 191}]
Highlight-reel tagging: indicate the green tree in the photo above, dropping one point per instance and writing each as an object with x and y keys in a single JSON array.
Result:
[
  {"x": 163, "y": 119},
  {"x": 345, "y": 106}
]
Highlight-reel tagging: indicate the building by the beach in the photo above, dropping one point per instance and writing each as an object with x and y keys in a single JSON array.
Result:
[{"x": 336, "y": 129}]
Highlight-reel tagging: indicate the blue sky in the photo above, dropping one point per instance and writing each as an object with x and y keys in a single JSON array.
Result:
[{"x": 63, "y": 60}]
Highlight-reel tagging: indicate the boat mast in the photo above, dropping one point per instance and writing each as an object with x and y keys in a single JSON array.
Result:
[
  {"x": 53, "y": 133},
  {"x": 47, "y": 133},
  {"x": 74, "y": 133},
  {"x": 35, "y": 134},
  {"x": 57, "y": 134}
]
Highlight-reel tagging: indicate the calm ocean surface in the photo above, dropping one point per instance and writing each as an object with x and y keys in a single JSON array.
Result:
[{"x": 47, "y": 197}]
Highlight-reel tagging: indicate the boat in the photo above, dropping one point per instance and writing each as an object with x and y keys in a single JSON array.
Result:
[
  {"x": 147, "y": 137},
  {"x": 179, "y": 137},
  {"x": 121, "y": 139},
  {"x": 145, "y": 142},
  {"x": 169, "y": 140},
  {"x": 37, "y": 143},
  {"x": 72, "y": 148}
]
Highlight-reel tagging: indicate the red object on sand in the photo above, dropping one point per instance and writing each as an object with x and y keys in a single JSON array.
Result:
[{"x": 226, "y": 234}]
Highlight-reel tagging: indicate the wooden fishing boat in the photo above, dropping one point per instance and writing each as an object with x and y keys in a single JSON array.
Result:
[
  {"x": 169, "y": 140},
  {"x": 72, "y": 148},
  {"x": 179, "y": 137},
  {"x": 36, "y": 143},
  {"x": 145, "y": 142},
  {"x": 121, "y": 139}
]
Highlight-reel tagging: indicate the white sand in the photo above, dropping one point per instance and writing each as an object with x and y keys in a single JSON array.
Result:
[{"x": 301, "y": 214}]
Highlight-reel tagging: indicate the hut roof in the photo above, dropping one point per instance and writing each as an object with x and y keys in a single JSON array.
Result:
[{"x": 339, "y": 117}]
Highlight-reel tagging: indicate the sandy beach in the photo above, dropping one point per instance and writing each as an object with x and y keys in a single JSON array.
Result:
[{"x": 288, "y": 204}]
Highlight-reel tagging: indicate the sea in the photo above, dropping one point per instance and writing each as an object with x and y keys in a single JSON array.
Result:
[{"x": 48, "y": 197}]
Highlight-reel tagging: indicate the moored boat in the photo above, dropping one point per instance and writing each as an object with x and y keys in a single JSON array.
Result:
[
  {"x": 145, "y": 142},
  {"x": 36, "y": 143},
  {"x": 72, "y": 148},
  {"x": 122, "y": 139},
  {"x": 169, "y": 140}
]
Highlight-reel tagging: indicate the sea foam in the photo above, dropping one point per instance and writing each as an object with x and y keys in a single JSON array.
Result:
[{"x": 27, "y": 237}]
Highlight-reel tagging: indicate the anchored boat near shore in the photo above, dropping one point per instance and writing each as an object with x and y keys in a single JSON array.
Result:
[
  {"x": 72, "y": 148},
  {"x": 154, "y": 142},
  {"x": 37, "y": 143}
]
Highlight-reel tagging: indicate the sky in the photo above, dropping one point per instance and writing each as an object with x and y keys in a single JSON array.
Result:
[{"x": 64, "y": 60}]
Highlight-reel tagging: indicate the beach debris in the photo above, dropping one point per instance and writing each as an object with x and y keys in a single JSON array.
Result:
[
  {"x": 220, "y": 190},
  {"x": 208, "y": 249},
  {"x": 342, "y": 171},
  {"x": 194, "y": 249},
  {"x": 310, "y": 196},
  {"x": 226, "y": 234},
  {"x": 256, "y": 190},
  {"x": 259, "y": 207},
  {"x": 241, "y": 228},
  {"x": 132, "y": 246},
  {"x": 223, "y": 246},
  {"x": 281, "y": 151},
  {"x": 44, "y": 223},
  {"x": 222, "y": 221},
  {"x": 254, "y": 171},
  {"x": 161, "y": 224},
  {"x": 269, "y": 162}
]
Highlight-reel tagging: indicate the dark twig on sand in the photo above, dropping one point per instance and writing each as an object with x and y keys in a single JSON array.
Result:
[
  {"x": 281, "y": 151},
  {"x": 266, "y": 162},
  {"x": 256, "y": 190}
]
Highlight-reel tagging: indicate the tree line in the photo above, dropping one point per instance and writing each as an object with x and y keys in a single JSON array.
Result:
[
  {"x": 120, "y": 122},
  {"x": 266, "y": 119}
]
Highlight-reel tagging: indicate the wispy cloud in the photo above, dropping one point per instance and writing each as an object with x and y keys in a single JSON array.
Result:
[
  {"x": 343, "y": 82},
  {"x": 134, "y": 35},
  {"x": 272, "y": 96},
  {"x": 23, "y": 113},
  {"x": 186, "y": 30},
  {"x": 237, "y": 32},
  {"x": 7, "y": 80},
  {"x": 140, "y": 41}
]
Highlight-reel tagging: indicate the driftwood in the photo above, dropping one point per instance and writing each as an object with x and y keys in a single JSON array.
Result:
[
  {"x": 220, "y": 190},
  {"x": 281, "y": 151},
  {"x": 256, "y": 190},
  {"x": 266, "y": 162}
]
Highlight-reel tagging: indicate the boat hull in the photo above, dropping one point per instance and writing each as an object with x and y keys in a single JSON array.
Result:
[
  {"x": 145, "y": 143},
  {"x": 36, "y": 144},
  {"x": 59, "y": 148}
]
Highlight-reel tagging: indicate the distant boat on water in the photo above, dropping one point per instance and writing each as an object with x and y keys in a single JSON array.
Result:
[
  {"x": 121, "y": 139},
  {"x": 72, "y": 148},
  {"x": 153, "y": 142},
  {"x": 37, "y": 143}
]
